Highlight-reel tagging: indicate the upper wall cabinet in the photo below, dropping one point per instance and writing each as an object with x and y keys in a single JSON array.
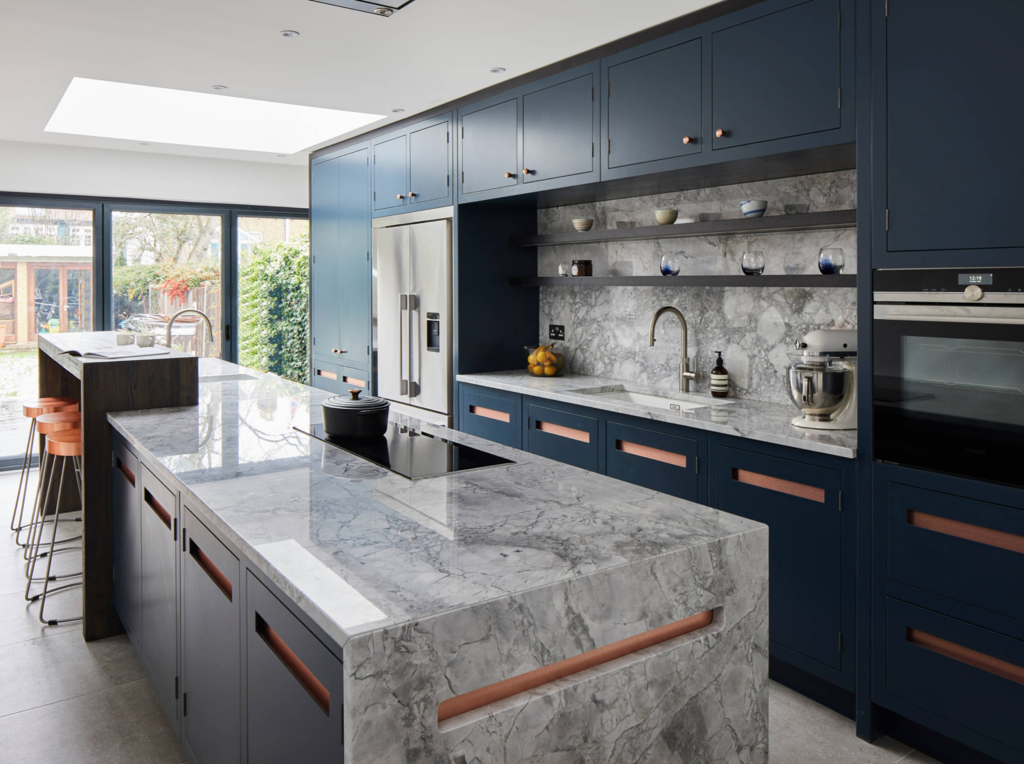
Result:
[
  {"x": 777, "y": 76},
  {"x": 412, "y": 168},
  {"x": 540, "y": 136},
  {"x": 652, "y": 122},
  {"x": 945, "y": 133},
  {"x": 340, "y": 271}
]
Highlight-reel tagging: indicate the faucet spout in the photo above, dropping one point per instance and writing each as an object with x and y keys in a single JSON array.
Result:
[
  {"x": 206, "y": 318},
  {"x": 685, "y": 375}
]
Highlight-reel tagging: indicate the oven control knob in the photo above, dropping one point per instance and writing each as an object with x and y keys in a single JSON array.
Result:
[{"x": 973, "y": 293}]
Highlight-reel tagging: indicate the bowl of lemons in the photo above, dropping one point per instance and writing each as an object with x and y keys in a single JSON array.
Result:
[{"x": 543, "y": 361}]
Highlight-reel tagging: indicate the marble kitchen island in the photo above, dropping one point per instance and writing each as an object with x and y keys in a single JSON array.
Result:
[{"x": 427, "y": 590}]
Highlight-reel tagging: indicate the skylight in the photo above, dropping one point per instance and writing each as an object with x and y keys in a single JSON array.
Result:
[{"x": 161, "y": 115}]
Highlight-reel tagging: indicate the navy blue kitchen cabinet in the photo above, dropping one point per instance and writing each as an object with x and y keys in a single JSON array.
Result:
[
  {"x": 412, "y": 167},
  {"x": 494, "y": 415},
  {"x": 294, "y": 686},
  {"x": 661, "y": 457},
  {"x": 211, "y": 724},
  {"x": 799, "y": 496},
  {"x": 652, "y": 118},
  {"x": 563, "y": 432},
  {"x": 159, "y": 578},
  {"x": 127, "y": 539},
  {"x": 777, "y": 76},
  {"x": 340, "y": 271},
  {"x": 948, "y": 192},
  {"x": 489, "y": 146}
]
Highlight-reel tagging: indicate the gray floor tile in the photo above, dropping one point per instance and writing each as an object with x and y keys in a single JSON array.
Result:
[
  {"x": 802, "y": 731},
  {"x": 44, "y": 671},
  {"x": 917, "y": 757},
  {"x": 122, "y": 725},
  {"x": 19, "y": 620}
]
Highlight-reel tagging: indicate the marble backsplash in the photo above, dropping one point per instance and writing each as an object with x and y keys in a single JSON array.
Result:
[{"x": 607, "y": 327}]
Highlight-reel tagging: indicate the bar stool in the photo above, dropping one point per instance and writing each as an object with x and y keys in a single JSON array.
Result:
[
  {"x": 65, "y": 445},
  {"x": 33, "y": 409},
  {"x": 46, "y": 425}
]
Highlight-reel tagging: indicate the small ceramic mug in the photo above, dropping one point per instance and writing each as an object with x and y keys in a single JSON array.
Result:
[
  {"x": 124, "y": 339},
  {"x": 144, "y": 340}
]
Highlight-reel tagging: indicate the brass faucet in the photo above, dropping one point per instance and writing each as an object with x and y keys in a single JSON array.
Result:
[
  {"x": 685, "y": 375},
  {"x": 206, "y": 318}
]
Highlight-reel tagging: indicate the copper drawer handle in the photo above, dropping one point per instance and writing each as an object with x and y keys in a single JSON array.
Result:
[
  {"x": 486, "y": 413},
  {"x": 649, "y": 452},
  {"x": 719, "y": 133},
  {"x": 564, "y": 432},
  {"x": 209, "y": 568},
  {"x": 810, "y": 492},
  {"x": 157, "y": 507},
  {"x": 306, "y": 678},
  {"x": 125, "y": 471}
]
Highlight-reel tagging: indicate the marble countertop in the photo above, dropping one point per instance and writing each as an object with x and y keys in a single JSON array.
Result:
[
  {"x": 359, "y": 548},
  {"x": 755, "y": 420},
  {"x": 57, "y": 346}
]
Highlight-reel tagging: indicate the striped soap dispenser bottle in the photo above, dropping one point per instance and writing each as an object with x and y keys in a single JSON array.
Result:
[{"x": 719, "y": 378}]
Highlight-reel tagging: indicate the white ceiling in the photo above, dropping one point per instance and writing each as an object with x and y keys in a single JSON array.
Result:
[{"x": 428, "y": 53}]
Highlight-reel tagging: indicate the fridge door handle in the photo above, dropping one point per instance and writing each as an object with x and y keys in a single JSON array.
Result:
[
  {"x": 413, "y": 344},
  {"x": 403, "y": 306}
]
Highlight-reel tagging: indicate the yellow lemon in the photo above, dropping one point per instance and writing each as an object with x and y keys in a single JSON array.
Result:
[
  {"x": 532, "y": 359},
  {"x": 538, "y": 370},
  {"x": 550, "y": 371}
]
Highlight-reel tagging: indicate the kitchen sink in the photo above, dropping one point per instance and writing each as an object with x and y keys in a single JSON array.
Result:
[{"x": 651, "y": 400}]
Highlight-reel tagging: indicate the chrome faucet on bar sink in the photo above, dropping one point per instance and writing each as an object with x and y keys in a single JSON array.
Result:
[
  {"x": 685, "y": 375},
  {"x": 206, "y": 318}
]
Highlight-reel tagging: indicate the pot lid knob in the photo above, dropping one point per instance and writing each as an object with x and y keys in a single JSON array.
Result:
[{"x": 354, "y": 394}]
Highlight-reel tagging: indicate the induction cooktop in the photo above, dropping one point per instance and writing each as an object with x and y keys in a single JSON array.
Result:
[{"x": 412, "y": 453}]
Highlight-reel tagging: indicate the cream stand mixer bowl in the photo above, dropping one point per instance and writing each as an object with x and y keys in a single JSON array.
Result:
[{"x": 823, "y": 380}]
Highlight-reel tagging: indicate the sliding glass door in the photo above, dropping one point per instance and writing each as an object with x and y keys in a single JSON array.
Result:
[
  {"x": 47, "y": 285},
  {"x": 163, "y": 262}
]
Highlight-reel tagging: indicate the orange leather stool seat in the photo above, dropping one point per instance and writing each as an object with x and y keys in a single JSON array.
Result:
[
  {"x": 65, "y": 443},
  {"x": 57, "y": 421},
  {"x": 32, "y": 409}
]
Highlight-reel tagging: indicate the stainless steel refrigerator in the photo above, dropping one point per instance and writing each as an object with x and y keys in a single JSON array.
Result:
[{"x": 412, "y": 312}]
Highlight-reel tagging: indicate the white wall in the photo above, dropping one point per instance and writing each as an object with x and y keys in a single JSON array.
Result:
[{"x": 52, "y": 169}]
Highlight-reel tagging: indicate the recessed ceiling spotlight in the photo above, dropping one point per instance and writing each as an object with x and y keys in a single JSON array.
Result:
[
  {"x": 383, "y": 11},
  {"x": 219, "y": 87},
  {"x": 289, "y": 33},
  {"x": 497, "y": 70},
  {"x": 397, "y": 111}
]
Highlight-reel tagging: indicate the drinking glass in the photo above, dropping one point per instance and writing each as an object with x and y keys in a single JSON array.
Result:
[
  {"x": 669, "y": 265},
  {"x": 831, "y": 260},
  {"x": 752, "y": 263}
]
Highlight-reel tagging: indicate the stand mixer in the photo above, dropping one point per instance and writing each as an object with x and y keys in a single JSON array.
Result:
[{"x": 823, "y": 380}]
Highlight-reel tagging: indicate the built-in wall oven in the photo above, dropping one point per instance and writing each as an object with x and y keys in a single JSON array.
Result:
[{"x": 949, "y": 371}]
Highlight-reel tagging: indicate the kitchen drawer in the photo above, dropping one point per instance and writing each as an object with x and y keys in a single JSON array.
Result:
[
  {"x": 294, "y": 686},
  {"x": 562, "y": 435},
  {"x": 327, "y": 376},
  {"x": 655, "y": 460},
  {"x": 352, "y": 379},
  {"x": 971, "y": 676},
  {"x": 495, "y": 415},
  {"x": 968, "y": 550},
  {"x": 800, "y": 503}
]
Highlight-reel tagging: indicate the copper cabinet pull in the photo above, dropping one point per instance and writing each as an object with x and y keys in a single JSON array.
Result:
[
  {"x": 163, "y": 514},
  {"x": 411, "y": 195},
  {"x": 719, "y": 133},
  {"x": 316, "y": 689},
  {"x": 508, "y": 175},
  {"x": 686, "y": 139},
  {"x": 209, "y": 568},
  {"x": 400, "y": 196},
  {"x": 526, "y": 171},
  {"x": 125, "y": 471}
]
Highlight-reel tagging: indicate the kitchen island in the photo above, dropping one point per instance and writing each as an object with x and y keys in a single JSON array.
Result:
[{"x": 370, "y": 618}]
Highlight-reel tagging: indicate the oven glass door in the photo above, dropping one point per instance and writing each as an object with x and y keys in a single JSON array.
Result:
[{"x": 949, "y": 390}]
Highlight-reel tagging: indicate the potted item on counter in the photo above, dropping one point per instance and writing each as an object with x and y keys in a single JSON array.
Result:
[
  {"x": 543, "y": 361},
  {"x": 356, "y": 418}
]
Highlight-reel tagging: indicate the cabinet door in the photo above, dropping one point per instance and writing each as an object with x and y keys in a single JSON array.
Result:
[
  {"x": 655, "y": 460},
  {"x": 490, "y": 146},
  {"x": 800, "y": 505},
  {"x": 559, "y": 130},
  {"x": 494, "y": 415},
  {"x": 324, "y": 211},
  {"x": 652, "y": 117},
  {"x": 390, "y": 174},
  {"x": 353, "y": 295},
  {"x": 777, "y": 76},
  {"x": 954, "y": 156},
  {"x": 430, "y": 163},
  {"x": 294, "y": 684},
  {"x": 326, "y": 376},
  {"x": 127, "y": 540},
  {"x": 211, "y": 647},
  {"x": 159, "y": 533},
  {"x": 564, "y": 436}
]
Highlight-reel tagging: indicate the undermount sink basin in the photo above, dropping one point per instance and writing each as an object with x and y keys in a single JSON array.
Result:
[
  {"x": 226, "y": 378},
  {"x": 649, "y": 400}
]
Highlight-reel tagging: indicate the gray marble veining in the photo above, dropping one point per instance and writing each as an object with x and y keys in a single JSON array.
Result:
[
  {"x": 742, "y": 418},
  {"x": 56, "y": 346},
  {"x": 438, "y": 587},
  {"x": 606, "y": 327}
]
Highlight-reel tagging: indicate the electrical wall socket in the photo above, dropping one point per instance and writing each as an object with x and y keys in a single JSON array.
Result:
[{"x": 556, "y": 332}]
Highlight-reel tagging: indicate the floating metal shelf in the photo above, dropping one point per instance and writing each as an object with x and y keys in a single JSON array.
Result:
[{"x": 809, "y": 280}]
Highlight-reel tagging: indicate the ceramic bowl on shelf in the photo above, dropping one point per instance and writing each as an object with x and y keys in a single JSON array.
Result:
[
  {"x": 753, "y": 209},
  {"x": 666, "y": 217},
  {"x": 582, "y": 224}
]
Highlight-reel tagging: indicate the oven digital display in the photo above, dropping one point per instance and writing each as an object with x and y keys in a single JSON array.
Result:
[{"x": 966, "y": 279}]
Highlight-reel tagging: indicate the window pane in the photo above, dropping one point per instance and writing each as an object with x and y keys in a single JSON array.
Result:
[
  {"x": 273, "y": 296},
  {"x": 164, "y": 263},
  {"x": 45, "y": 287}
]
